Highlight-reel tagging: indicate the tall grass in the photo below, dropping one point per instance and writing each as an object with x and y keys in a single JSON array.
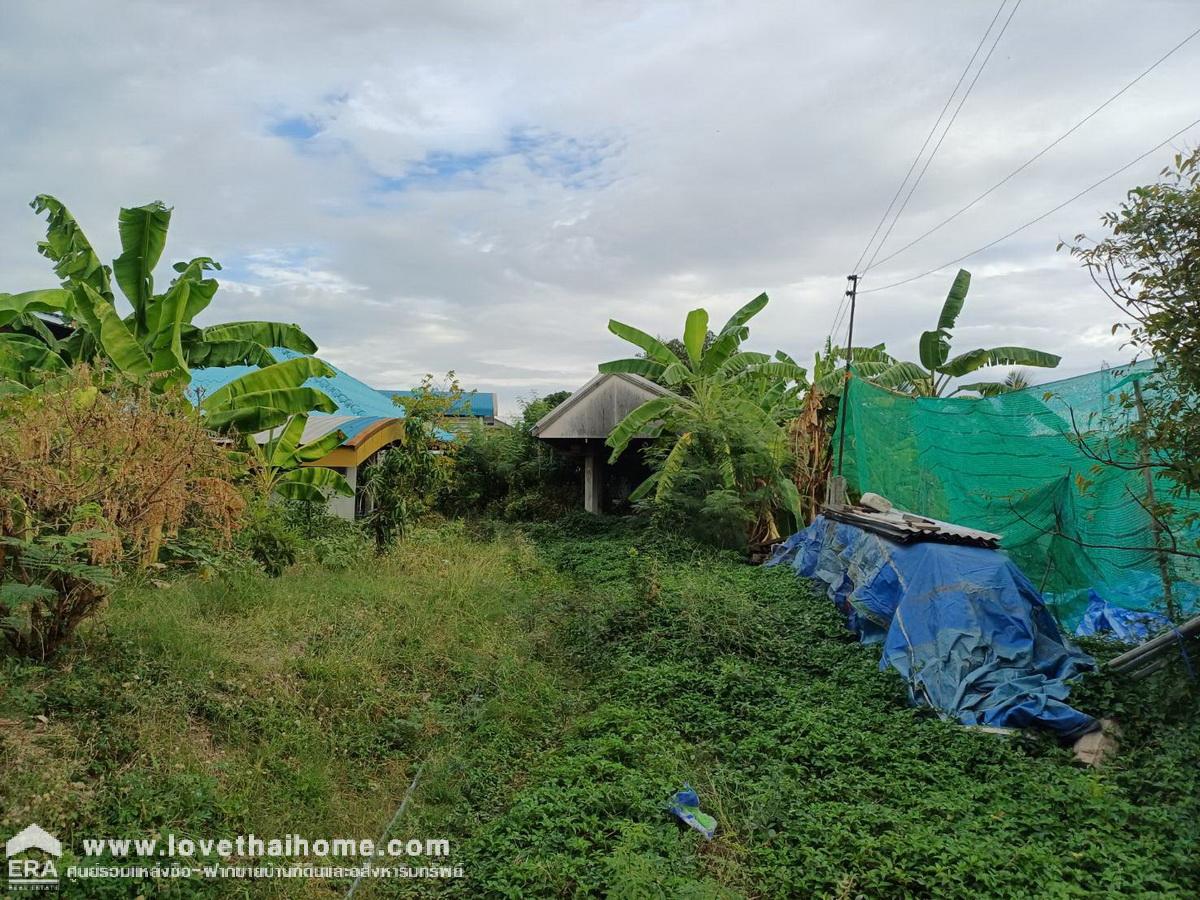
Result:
[{"x": 301, "y": 704}]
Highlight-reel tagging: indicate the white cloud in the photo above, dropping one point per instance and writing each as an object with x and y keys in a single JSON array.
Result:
[{"x": 556, "y": 164}]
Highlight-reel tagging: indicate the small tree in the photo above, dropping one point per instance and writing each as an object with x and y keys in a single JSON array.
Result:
[
  {"x": 1149, "y": 267},
  {"x": 721, "y": 459},
  {"x": 406, "y": 480}
]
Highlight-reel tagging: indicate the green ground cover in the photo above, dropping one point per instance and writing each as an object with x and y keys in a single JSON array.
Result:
[{"x": 557, "y": 684}]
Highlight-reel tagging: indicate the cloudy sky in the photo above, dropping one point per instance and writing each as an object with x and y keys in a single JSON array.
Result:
[{"x": 480, "y": 186}]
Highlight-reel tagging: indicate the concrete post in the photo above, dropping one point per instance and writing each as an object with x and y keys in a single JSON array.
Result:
[{"x": 593, "y": 481}]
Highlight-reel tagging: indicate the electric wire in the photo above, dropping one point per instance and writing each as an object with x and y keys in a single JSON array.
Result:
[
  {"x": 839, "y": 313},
  {"x": 1021, "y": 168},
  {"x": 949, "y": 125},
  {"x": 929, "y": 136},
  {"x": 1034, "y": 221}
]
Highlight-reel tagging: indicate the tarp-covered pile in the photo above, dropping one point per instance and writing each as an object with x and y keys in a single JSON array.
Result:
[{"x": 963, "y": 626}]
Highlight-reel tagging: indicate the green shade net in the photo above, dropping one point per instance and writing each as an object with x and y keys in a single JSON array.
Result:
[{"x": 1013, "y": 465}]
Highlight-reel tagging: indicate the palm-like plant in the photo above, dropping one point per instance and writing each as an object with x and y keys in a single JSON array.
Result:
[
  {"x": 279, "y": 463},
  {"x": 156, "y": 342},
  {"x": 939, "y": 367},
  {"x": 722, "y": 417}
]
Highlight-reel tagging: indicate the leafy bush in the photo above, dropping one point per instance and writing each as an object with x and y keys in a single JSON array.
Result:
[
  {"x": 1147, "y": 267},
  {"x": 336, "y": 543},
  {"x": 509, "y": 472},
  {"x": 406, "y": 481},
  {"x": 269, "y": 541},
  {"x": 95, "y": 473}
]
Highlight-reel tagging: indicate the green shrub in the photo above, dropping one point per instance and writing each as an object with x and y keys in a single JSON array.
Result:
[
  {"x": 506, "y": 471},
  {"x": 269, "y": 540}
]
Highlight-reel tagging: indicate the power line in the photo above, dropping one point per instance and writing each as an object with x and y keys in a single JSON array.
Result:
[
  {"x": 949, "y": 125},
  {"x": 1066, "y": 134},
  {"x": 843, "y": 305},
  {"x": 1034, "y": 221},
  {"x": 929, "y": 136}
]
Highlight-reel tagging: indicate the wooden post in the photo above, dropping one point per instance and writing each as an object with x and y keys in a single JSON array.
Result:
[
  {"x": 1164, "y": 567},
  {"x": 593, "y": 481}
]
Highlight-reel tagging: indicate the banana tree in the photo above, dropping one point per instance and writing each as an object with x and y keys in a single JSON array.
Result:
[
  {"x": 156, "y": 341},
  {"x": 872, "y": 364},
  {"x": 27, "y": 345},
  {"x": 723, "y": 358},
  {"x": 939, "y": 367},
  {"x": 280, "y": 463},
  {"x": 722, "y": 418},
  {"x": 266, "y": 398}
]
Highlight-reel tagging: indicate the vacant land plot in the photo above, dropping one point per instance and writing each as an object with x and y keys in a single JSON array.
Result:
[{"x": 555, "y": 686}]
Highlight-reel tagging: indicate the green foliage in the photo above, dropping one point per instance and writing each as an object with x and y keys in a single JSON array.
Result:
[
  {"x": 268, "y": 540},
  {"x": 509, "y": 472},
  {"x": 1147, "y": 267},
  {"x": 337, "y": 544},
  {"x": 824, "y": 782},
  {"x": 48, "y": 585},
  {"x": 155, "y": 344},
  {"x": 722, "y": 462},
  {"x": 408, "y": 479},
  {"x": 557, "y": 694},
  {"x": 278, "y": 463}
]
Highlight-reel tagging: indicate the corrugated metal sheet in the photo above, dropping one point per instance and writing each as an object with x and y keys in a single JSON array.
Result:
[
  {"x": 904, "y": 527},
  {"x": 353, "y": 397}
]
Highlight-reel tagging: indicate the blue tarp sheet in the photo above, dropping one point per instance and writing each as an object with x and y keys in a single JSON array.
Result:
[
  {"x": 962, "y": 625},
  {"x": 1129, "y": 625}
]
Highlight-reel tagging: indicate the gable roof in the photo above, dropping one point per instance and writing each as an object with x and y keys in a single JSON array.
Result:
[{"x": 594, "y": 410}]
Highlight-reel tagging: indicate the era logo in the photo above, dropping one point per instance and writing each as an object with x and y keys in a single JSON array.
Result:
[{"x": 32, "y": 874}]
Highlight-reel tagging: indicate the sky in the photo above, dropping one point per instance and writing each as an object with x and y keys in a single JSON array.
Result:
[{"x": 480, "y": 186}]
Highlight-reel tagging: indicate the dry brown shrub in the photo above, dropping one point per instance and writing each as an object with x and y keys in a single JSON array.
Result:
[{"x": 92, "y": 456}]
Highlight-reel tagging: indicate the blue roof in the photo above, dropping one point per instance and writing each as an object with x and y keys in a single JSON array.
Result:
[
  {"x": 473, "y": 403},
  {"x": 353, "y": 397}
]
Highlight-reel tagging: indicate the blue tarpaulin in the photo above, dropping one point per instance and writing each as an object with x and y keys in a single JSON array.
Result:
[
  {"x": 962, "y": 625},
  {"x": 1129, "y": 625}
]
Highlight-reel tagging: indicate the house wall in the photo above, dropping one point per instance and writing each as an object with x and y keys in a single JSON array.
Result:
[{"x": 343, "y": 507}]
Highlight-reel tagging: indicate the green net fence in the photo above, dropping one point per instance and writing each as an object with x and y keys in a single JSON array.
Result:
[{"x": 1014, "y": 465}]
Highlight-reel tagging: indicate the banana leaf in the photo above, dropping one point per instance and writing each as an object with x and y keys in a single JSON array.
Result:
[
  {"x": 290, "y": 373},
  {"x": 114, "y": 337},
  {"x": 268, "y": 334},
  {"x": 656, "y": 349},
  {"x": 143, "y": 231},
  {"x": 311, "y": 483},
  {"x": 636, "y": 422},
  {"x": 694, "y": 331}
]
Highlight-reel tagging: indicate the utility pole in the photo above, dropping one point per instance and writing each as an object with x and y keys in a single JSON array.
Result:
[{"x": 852, "y": 293}]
